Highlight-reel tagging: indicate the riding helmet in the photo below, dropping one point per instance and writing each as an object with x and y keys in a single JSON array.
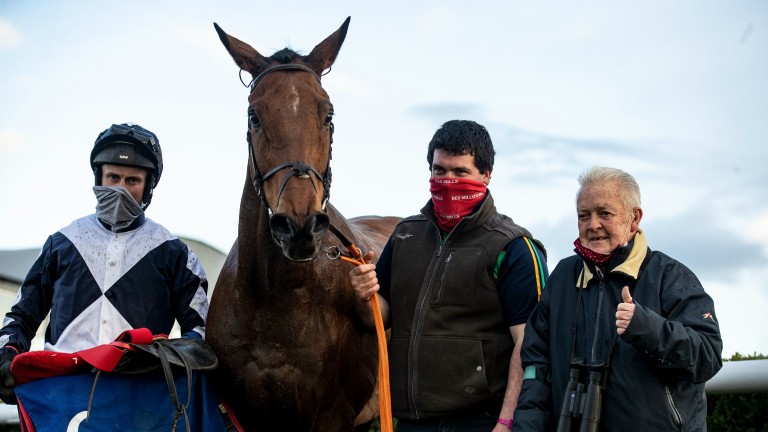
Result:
[{"x": 132, "y": 145}]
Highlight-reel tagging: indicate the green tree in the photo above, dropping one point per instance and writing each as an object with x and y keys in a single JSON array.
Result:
[{"x": 738, "y": 412}]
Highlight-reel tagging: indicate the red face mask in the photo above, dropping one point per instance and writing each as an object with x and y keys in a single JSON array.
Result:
[
  {"x": 590, "y": 255},
  {"x": 455, "y": 198}
]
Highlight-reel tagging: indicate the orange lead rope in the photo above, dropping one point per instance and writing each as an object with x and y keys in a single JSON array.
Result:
[{"x": 385, "y": 405}]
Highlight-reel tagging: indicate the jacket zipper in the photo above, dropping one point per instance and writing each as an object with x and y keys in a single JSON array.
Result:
[
  {"x": 417, "y": 325},
  {"x": 442, "y": 276},
  {"x": 601, "y": 289},
  {"x": 676, "y": 413}
]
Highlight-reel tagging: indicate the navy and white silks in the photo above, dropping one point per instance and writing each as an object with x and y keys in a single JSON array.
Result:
[{"x": 97, "y": 283}]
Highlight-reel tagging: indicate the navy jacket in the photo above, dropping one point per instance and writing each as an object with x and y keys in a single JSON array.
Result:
[{"x": 657, "y": 367}]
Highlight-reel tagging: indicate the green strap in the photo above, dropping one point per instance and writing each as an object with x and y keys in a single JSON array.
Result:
[{"x": 530, "y": 372}]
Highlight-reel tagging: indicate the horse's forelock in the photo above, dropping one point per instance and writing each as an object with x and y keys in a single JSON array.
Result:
[{"x": 285, "y": 56}]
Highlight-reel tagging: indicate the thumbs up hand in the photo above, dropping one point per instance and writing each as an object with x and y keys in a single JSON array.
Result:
[{"x": 624, "y": 311}]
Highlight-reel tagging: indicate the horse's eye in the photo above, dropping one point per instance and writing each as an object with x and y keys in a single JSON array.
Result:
[
  {"x": 253, "y": 119},
  {"x": 328, "y": 118}
]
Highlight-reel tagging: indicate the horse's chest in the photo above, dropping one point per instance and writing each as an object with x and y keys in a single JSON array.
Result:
[
  {"x": 293, "y": 355},
  {"x": 294, "y": 326},
  {"x": 302, "y": 329}
]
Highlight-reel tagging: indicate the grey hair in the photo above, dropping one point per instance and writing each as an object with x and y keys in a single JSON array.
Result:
[{"x": 630, "y": 190}]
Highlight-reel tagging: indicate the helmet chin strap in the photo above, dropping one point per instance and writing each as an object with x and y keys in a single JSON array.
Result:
[{"x": 149, "y": 189}]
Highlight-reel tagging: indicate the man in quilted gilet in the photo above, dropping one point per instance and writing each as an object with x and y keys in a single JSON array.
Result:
[{"x": 456, "y": 284}]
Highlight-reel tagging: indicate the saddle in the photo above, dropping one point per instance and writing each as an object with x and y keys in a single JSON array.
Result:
[
  {"x": 133, "y": 352},
  {"x": 138, "y": 351}
]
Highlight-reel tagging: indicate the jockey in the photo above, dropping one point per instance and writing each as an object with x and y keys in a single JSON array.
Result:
[{"x": 110, "y": 271}]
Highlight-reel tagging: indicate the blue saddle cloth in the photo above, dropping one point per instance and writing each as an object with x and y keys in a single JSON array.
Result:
[{"x": 140, "y": 403}]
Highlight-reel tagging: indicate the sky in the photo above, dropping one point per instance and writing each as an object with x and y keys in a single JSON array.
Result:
[{"x": 675, "y": 93}]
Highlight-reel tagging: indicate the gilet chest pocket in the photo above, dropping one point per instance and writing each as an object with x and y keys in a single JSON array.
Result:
[{"x": 457, "y": 276}]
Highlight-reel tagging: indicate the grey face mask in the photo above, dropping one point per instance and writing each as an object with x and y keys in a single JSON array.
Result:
[{"x": 116, "y": 206}]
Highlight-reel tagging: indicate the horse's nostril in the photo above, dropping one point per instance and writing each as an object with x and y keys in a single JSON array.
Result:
[
  {"x": 282, "y": 226},
  {"x": 318, "y": 224}
]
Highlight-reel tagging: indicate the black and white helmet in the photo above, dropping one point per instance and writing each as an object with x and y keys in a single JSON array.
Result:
[{"x": 131, "y": 145}]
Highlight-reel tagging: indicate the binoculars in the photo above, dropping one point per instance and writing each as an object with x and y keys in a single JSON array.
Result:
[{"x": 583, "y": 401}]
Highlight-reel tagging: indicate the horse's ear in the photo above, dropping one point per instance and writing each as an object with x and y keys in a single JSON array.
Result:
[
  {"x": 324, "y": 54},
  {"x": 247, "y": 58}
]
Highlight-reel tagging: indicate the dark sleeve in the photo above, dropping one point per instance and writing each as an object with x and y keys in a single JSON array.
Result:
[
  {"x": 534, "y": 404},
  {"x": 33, "y": 302},
  {"x": 684, "y": 341},
  {"x": 522, "y": 278},
  {"x": 190, "y": 285},
  {"x": 383, "y": 271}
]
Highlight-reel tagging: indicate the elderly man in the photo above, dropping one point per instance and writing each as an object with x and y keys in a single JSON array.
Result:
[{"x": 624, "y": 337}]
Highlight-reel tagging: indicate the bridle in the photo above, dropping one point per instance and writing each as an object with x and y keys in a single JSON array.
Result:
[{"x": 299, "y": 169}]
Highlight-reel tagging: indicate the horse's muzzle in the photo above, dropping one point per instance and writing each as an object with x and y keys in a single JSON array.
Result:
[{"x": 299, "y": 242}]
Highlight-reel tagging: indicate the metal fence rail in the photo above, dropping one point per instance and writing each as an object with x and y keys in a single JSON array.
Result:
[{"x": 743, "y": 376}]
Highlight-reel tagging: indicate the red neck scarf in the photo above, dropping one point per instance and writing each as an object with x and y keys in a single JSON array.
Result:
[
  {"x": 596, "y": 258},
  {"x": 454, "y": 198}
]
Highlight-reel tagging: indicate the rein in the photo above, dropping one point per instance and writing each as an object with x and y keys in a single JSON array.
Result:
[
  {"x": 385, "y": 403},
  {"x": 298, "y": 169}
]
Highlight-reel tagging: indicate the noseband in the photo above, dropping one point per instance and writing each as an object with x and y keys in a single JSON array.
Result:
[{"x": 298, "y": 169}]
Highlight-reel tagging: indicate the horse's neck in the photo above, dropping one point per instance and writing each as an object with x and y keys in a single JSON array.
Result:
[
  {"x": 338, "y": 221},
  {"x": 254, "y": 240},
  {"x": 252, "y": 212},
  {"x": 351, "y": 230},
  {"x": 260, "y": 261}
]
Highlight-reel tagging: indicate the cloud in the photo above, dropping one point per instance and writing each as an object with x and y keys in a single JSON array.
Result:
[
  {"x": 349, "y": 84},
  {"x": 738, "y": 301},
  {"x": 701, "y": 242},
  {"x": 10, "y": 141},
  {"x": 203, "y": 37},
  {"x": 433, "y": 21},
  {"x": 557, "y": 238},
  {"x": 558, "y": 146},
  {"x": 552, "y": 159},
  {"x": 758, "y": 229},
  {"x": 9, "y": 35},
  {"x": 687, "y": 200},
  {"x": 439, "y": 113}
]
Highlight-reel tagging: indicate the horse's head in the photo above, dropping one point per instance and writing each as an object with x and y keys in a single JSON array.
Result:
[{"x": 289, "y": 134}]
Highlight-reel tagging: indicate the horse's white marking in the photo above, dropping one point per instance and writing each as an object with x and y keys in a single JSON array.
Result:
[
  {"x": 74, "y": 424},
  {"x": 295, "y": 102}
]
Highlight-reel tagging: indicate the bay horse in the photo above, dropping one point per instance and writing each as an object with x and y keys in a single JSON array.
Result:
[{"x": 294, "y": 351}]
